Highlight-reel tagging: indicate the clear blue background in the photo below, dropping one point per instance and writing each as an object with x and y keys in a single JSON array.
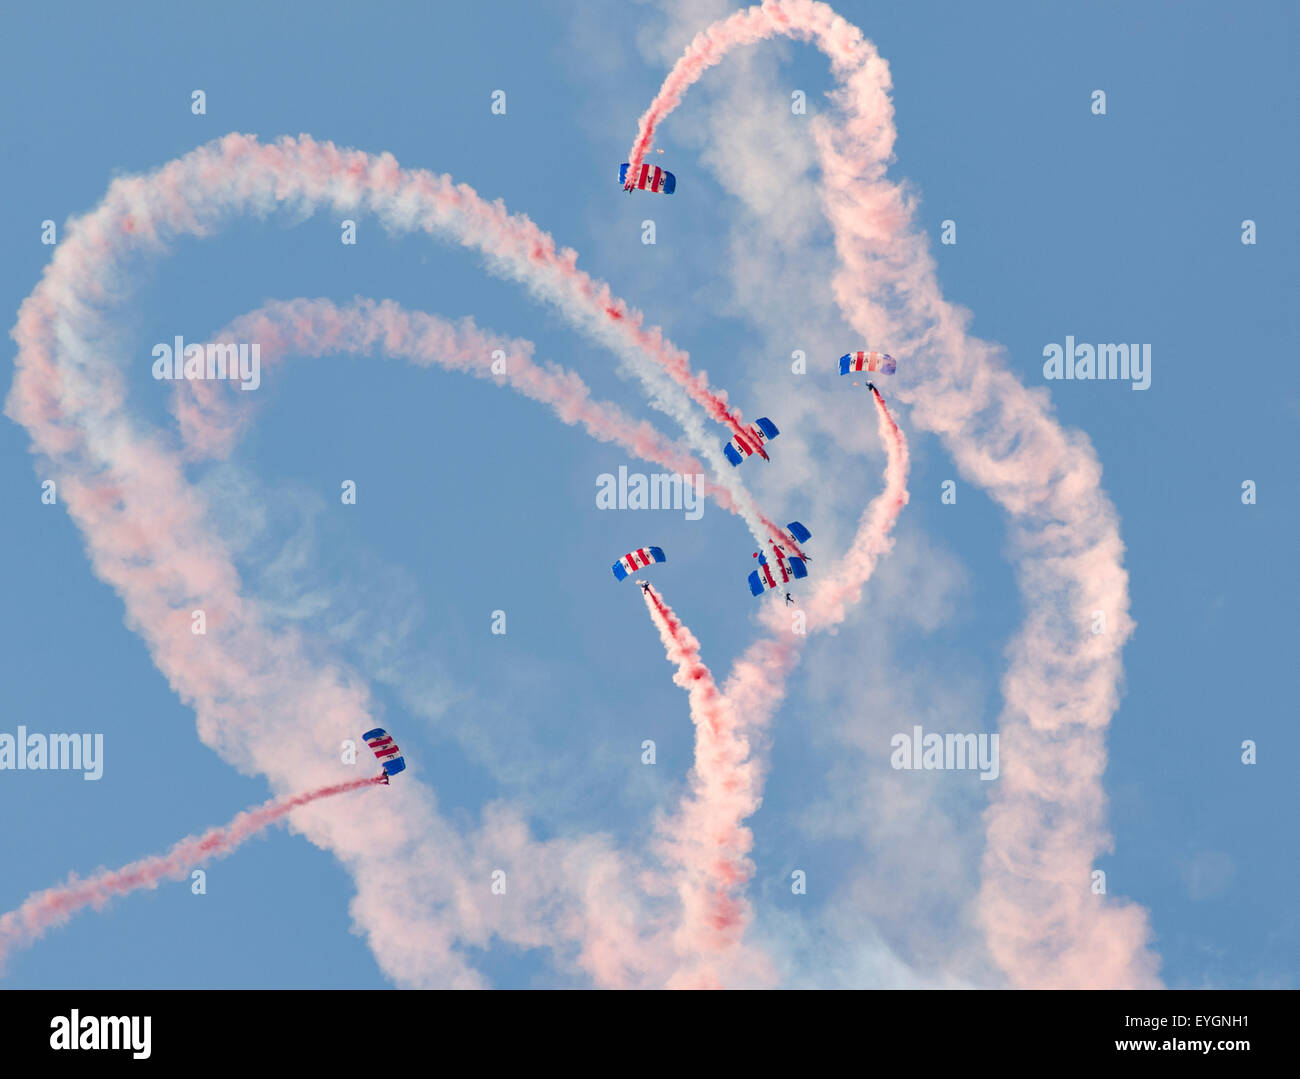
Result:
[{"x": 1118, "y": 228}]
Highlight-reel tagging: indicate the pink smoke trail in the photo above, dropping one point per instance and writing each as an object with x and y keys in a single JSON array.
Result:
[
  {"x": 196, "y": 194},
  {"x": 210, "y": 425},
  {"x": 43, "y": 911},
  {"x": 842, "y": 587},
  {"x": 757, "y": 683},
  {"x": 706, "y": 841},
  {"x": 1045, "y": 826},
  {"x": 706, "y": 879},
  {"x": 211, "y": 418},
  {"x": 150, "y": 536}
]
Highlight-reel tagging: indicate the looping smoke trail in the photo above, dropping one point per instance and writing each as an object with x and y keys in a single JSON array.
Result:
[
  {"x": 756, "y": 685},
  {"x": 706, "y": 880},
  {"x": 54, "y": 906},
  {"x": 198, "y": 193},
  {"x": 706, "y": 841},
  {"x": 1045, "y": 826},
  {"x": 70, "y": 399},
  {"x": 149, "y": 534},
  {"x": 211, "y": 415}
]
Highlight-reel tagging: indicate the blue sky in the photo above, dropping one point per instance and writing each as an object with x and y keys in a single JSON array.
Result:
[{"x": 1123, "y": 227}]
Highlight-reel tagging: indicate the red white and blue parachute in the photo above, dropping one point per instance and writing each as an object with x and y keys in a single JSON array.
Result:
[
  {"x": 638, "y": 559},
  {"x": 868, "y": 361},
  {"x": 386, "y": 751},
  {"x": 781, "y": 568},
  {"x": 649, "y": 178},
  {"x": 799, "y": 532},
  {"x": 742, "y": 446},
  {"x": 774, "y": 573}
]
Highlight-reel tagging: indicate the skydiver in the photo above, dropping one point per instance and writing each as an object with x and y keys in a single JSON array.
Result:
[
  {"x": 383, "y": 778},
  {"x": 789, "y": 600},
  {"x": 872, "y": 387},
  {"x": 645, "y": 585}
]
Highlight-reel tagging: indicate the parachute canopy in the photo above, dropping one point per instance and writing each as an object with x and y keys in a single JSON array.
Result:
[
  {"x": 649, "y": 178},
  {"x": 782, "y": 568},
  {"x": 780, "y": 571},
  {"x": 868, "y": 361},
  {"x": 742, "y": 446},
  {"x": 799, "y": 532},
  {"x": 638, "y": 559},
  {"x": 386, "y": 751}
]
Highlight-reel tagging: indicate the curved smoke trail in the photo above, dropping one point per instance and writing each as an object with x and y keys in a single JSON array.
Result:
[
  {"x": 706, "y": 840},
  {"x": 1046, "y": 823},
  {"x": 706, "y": 873},
  {"x": 149, "y": 535},
  {"x": 210, "y": 419},
  {"x": 235, "y": 176},
  {"x": 1060, "y": 693}
]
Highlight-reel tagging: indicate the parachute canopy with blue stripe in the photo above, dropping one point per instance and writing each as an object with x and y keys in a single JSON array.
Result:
[
  {"x": 638, "y": 559},
  {"x": 852, "y": 362},
  {"x": 800, "y": 534},
  {"x": 649, "y": 178},
  {"x": 742, "y": 446},
  {"x": 385, "y": 750},
  {"x": 760, "y": 580}
]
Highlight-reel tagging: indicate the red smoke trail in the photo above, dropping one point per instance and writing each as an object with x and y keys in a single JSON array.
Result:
[
  {"x": 304, "y": 168},
  {"x": 1045, "y": 826},
  {"x": 54, "y": 906},
  {"x": 213, "y": 414},
  {"x": 756, "y": 684},
  {"x": 150, "y": 536},
  {"x": 196, "y": 194},
  {"x": 706, "y": 842},
  {"x": 841, "y": 587},
  {"x": 707, "y": 48}
]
